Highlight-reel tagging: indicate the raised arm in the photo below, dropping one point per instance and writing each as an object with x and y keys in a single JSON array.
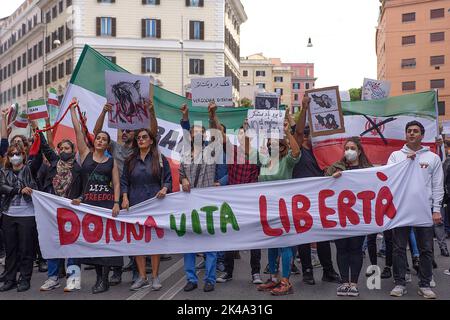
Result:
[
  {"x": 153, "y": 119},
  {"x": 295, "y": 148},
  {"x": 81, "y": 143},
  {"x": 4, "y": 129},
  {"x": 101, "y": 119},
  {"x": 214, "y": 122},
  {"x": 50, "y": 141},
  {"x": 301, "y": 123}
]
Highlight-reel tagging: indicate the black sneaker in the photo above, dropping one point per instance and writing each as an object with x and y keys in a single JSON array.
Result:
[
  {"x": 387, "y": 273},
  {"x": 416, "y": 264},
  {"x": 208, "y": 287},
  {"x": 224, "y": 278},
  {"x": 190, "y": 286},
  {"x": 444, "y": 252},
  {"x": 166, "y": 257},
  {"x": 331, "y": 276},
  {"x": 115, "y": 280},
  {"x": 435, "y": 266},
  {"x": 294, "y": 269},
  {"x": 267, "y": 271},
  {"x": 129, "y": 266},
  {"x": 3, "y": 276},
  {"x": 24, "y": 285},
  {"x": 43, "y": 267},
  {"x": 8, "y": 285},
  {"x": 308, "y": 277}
]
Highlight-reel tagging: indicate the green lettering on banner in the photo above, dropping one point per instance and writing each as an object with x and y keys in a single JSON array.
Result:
[
  {"x": 227, "y": 217},
  {"x": 196, "y": 227},
  {"x": 173, "y": 225},
  {"x": 209, "y": 218}
]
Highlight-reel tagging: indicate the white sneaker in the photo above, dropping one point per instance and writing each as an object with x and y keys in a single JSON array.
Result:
[
  {"x": 432, "y": 283},
  {"x": 447, "y": 272},
  {"x": 408, "y": 277},
  {"x": 427, "y": 293},
  {"x": 49, "y": 285},
  {"x": 73, "y": 284},
  {"x": 398, "y": 291},
  {"x": 156, "y": 284},
  {"x": 256, "y": 279},
  {"x": 315, "y": 261}
]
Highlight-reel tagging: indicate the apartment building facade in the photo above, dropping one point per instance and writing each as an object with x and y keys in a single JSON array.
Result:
[
  {"x": 171, "y": 40},
  {"x": 413, "y": 48}
]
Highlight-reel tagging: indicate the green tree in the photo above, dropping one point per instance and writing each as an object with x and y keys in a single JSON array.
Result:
[
  {"x": 246, "y": 102},
  {"x": 355, "y": 94}
]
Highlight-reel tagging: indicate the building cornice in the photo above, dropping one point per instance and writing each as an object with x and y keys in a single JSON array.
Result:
[{"x": 239, "y": 9}]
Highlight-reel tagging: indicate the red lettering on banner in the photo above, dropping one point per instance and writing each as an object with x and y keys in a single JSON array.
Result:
[
  {"x": 345, "y": 208},
  {"x": 384, "y": 206},
  {"x": 284, "y": 216},
  {"x": 111, "y": 229},
  {"x": 150, "y": 224},
  {"x": 301, "y": 214},
  {"x": 325, "y": 211},
  {"x": 63, "y": 216},
  {"x": 137, "y": 235},
  {"x": 267, "y": 229},
  {"x": 367, "y": 197},
  {"x": 95, "y": 235}
]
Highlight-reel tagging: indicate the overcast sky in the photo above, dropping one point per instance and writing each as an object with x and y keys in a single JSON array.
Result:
[{"x": 342, "y": 33}]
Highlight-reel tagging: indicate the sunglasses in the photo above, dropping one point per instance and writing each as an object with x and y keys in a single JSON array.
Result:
[
  {"x": 127, "y": 131},
  {"x": 146, "y": 137},
  {"x": 14, "y": 154}
]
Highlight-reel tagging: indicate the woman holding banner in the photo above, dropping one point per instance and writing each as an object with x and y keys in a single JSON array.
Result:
[
  {"x": 280, "y": 167},
  {"x": 146, "y": 175},
  {"x": 100, "y": 188},
  {"x": 349, "y": 250}
]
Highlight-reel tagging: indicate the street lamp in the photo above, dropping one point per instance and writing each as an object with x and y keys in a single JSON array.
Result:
[
  {"x": 182, "y": 67},
  {"x": 310, "y": 45}
]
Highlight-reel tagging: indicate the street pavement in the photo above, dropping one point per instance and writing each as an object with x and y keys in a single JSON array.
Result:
[{"x": 240, "y": 288}]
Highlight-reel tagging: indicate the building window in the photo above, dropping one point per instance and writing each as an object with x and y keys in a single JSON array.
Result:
[
  {"x": 245, "y": 73},
  {"x": 307, "y": 86},
  {"x": 408, "y": 40},
  {"x": 279, "y": 91},
  {"x": 278, "y": 79},
  {"x": 437, "y": 60},
  {"x": 19, "y": 90},
  {"x": 151, "y": 28},
  {"x": 197, "y": 66},
  {"x": 437, "y": 13},
  {"x": 30, "y": 56},
  {"x": 48, "y": 17},
  {"x": 154, "y": 2},
  {"x": 61, "y": 70},
  {"x": 14, "y": 67},
  {"x": 197, "y": 30},
  {"x": 61, "y": 6},
  {"x": 35, "y": 52},
  {"x": 19, "y": 63},
  {"x": 261, "y": 85},
  {"x": 194, "y": 3},
  {"x": 69, "y": 66},
  {"x": 40, "y": 49},
  {"x": 408, "y": 63},
  {"x": 29, "y": 84},
  {"x": 106, "y": 26},
  {"x": 296, "y": 86},
  {"x": 151, "y": 65},
  {"x": 54, "y": 12},
  {"x": 54, "y": 70},
  {"x": 441, "y": 108},
  {"x": 437, "y": 84},
  {"x": 34, "y": 81},
  {"x": 24, "y": 87},
  {"x": 47, "y": 44},
  {"x": 68, "y": 32},
  {"x": 409, "y": 17},
  {"x": 409, "y": 86},
  {"x": 47, "y": 77},
  {"x": 40, "y": 79},
  {"x": 437, "y": 36},
  {"x": 296, "y": 97},
  {"x": 260, "y": 73},
  {"x": 106, "y": 1},
  {"x": 68, "y": 3},
  {"x": 14, "y": 92}
]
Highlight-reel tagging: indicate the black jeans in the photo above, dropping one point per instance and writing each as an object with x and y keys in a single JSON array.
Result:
[
  {"x": 350, "y": 258},
  {"x": 255, "y": 261},
  {"x": 20, "y": 235},
  {"x": 372, "y": 248},
  {"x": 424, "y": 238},
  {"x": 324, "y": 253}
]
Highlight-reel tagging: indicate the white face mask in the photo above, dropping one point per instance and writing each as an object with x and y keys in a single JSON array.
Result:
[
  {"x": 16, "y": 160},
  {"x": 351, "y": 155}
]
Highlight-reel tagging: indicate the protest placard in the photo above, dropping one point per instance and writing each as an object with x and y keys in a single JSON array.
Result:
[
  {"x": 217, "y": 90},
  {"x": 267, "y": 101},
  {"x": 446, "y": 127},
  {"x": 325, "y": 112},
  {"x": 128, "y": 94},
  {"x": 375, "y": 89},
  {"x": 266, "y": 123},
  {"x": 37, "y": 109}
]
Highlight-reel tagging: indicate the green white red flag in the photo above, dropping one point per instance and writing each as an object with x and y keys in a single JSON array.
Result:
[
  {"x": 37, "y": 109},
  {"x": 52, "y": 98},
  {"x": 21, "y": 121}
]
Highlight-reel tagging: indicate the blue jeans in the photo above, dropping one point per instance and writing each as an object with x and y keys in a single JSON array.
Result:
[
  {"x": 53, "y": 267},
  {"x": 210, "y": 267},
  {"x": 286, "y": 260},
  {"x": 413, "y": 243}
]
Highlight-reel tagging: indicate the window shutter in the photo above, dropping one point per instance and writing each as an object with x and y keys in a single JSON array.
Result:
[
  {"x": 99, "y": 21},
  {"x": 114, "y": 27},
  {"x": 191, "y": 66},
  {"x": 158, "y": 29},
  {"x": 202, "y": 67},
  {"x": 157, "y": 2},
  {"x": 158, "y": 65},
  {"x": 191, "y": 30},
  {"x": 144, "y": 1},
  {"x": 201, "y": 3},
  {"x": 202, "y": 30},
  {"x": 143, "y": 27},
  {"x": 188, "y": 3},
  {"x": 143, "y": 65},
  {"x": 113, "y": 1}
]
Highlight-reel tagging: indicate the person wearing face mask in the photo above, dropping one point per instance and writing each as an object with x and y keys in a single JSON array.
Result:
[
  {"x": 62, "y": 178},
  {"x": 18, "y": 223},
  {"x": 100, "y": 188},
  {"x": 284, "y": 155},
  {"x": 349, "y": 250}
]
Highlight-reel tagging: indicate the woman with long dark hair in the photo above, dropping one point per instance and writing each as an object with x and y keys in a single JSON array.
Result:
[
  {"x": 101, "y": 188},
  {"x": 146, "y": 174},
  {"x": 349, "y": 250}
]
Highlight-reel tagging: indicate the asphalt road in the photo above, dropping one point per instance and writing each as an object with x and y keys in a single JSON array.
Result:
[{"x": 240, "y": 288}]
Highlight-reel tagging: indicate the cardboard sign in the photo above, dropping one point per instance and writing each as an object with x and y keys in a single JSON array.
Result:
[
  {"x": 267, "y": 101},
  {"x": 217, "y": 90},
  {"x": 375, "y": 89},
  {"x": 266, "y": 123},
  {"x": 127, "y": 93},
  {"x": 325, "y": 112}
]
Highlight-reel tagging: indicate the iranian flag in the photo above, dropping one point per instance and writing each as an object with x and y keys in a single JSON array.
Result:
[
  {"x": 21, "y": 121},
  {"x": 381, "y": 126},
  {"x": 52, "y": 98},
  {"x": 88, "y": 86},
  {"x": 37, "y": 109}
]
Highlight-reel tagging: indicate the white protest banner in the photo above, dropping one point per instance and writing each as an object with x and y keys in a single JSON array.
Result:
[
  {"x": 253, "y": 216},
  {"x": 267, "y": 123},
  {"x": 267, "y": 101},
  {"x": 127, "y": 93},
  {"x": 345, "y": 96},
  {"x": 218, "y": 90},
  {"x": 375, "y": 89},
  {"x": 446, "y": 127}
]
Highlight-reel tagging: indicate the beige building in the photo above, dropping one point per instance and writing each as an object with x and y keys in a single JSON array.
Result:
[
  {"x": 171, "y": 40},
  {"x": 413, "y": 47}
]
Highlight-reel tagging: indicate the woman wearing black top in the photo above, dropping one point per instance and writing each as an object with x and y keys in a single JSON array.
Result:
[{"x": 101, "y": 188}]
